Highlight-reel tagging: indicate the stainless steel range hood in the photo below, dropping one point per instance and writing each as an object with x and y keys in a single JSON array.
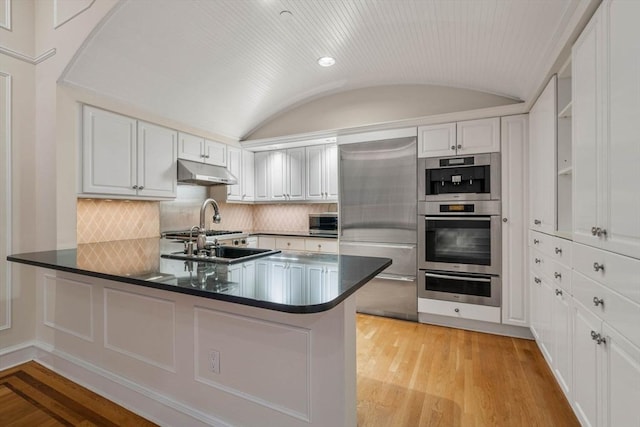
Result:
[{"x": 190, "y": 172}]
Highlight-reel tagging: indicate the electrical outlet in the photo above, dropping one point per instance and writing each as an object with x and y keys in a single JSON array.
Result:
[{"x": 214, "y": 361}]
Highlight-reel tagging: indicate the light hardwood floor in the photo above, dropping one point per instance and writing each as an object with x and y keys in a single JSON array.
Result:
[
  {"x": 412, "y": 374},
  {"x": 409, "y": 374}
]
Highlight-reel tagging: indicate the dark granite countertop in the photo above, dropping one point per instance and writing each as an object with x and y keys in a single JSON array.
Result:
[{"x": 288, "y": 282}]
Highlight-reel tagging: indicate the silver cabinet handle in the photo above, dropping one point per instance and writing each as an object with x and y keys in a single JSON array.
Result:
[
  {"x": 135, "y": 187},
  {"x": 538, "y": 260},
  {"x": 601, "y": 232},
  {"x": 598, "y": 301},
  {"x": 557, "y": 275},
  {"x": 594, "y": 230},
  {"x": 504, "y": 219},
  {"x": 558, "y": 251},
  {"x": 599, "y": 339},
  {"x": 537, "y": 222},
  {"x": 207, "y": 156},
  {"x": 558, "y": 291},
  {"x": 598, "y": 267},
  {"x": 594, "y": 335},
  {"x": 537, "y": 280},
  {"x": 453, "y": 147},
  {"x": 459, "y": 146},
  {"x": 457, "y": 310},
  {"x": 536, "y": 241},
  {"x": 141, "y": 187}
]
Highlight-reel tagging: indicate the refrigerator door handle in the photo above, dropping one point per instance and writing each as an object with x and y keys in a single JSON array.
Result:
[
  {"x": 379, "y": 245},
  {"x": 397, "y": 278}
]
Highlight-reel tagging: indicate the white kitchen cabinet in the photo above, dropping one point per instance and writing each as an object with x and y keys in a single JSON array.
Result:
[
  {"x": 606, "y": 105},
  {"x": 328, "y": 246},
  {"x": 541, "y": 306},
  {"x": 124, "y": 157},
  {"x": 286, "y": 175},
  {"x": 459, "y": 310},
  {"x": 461, "y": 138},
  {"x": 321, "y": 172},
  {"x": 241, "y": 165},
  {"x": 290, "y": 243},
  {"x": 561, "y": 330},
  {"x": 262, "y": 176},
  {"x": 514, "y": 143},
  {"x": 287, "y": 283},
  {"x": 198, "y": 149},
  {"x": 266, "y": 242},
  {"x": 437, "y": 140},
  {"x": 542, "y": 160},
  {"x": 478, "y": 136},
  {"x": 322, "y": 282}
]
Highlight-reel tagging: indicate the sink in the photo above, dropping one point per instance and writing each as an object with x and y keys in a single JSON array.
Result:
[{"x": 222, "y": 254}]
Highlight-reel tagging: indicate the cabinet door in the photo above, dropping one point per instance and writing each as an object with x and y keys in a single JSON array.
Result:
[
  {"x": 215, "y": 153},
  {"x": 315, "y": 176},
  {"x": 535, "y": 307},
  {"x": 331, "y": 172},
  {"x": 622, "y": 380},
  {"x": 437, "y": 140},
  {"x": 190, "y": 147},
  {"x": 478, "y": 136},
  {"x": 621, "y": 151},
  {"x": 296, "y": 174},
  {"x": 542, "y": 167},
  {"x": 514, "y": 171},
  {"x": 108, "y": 153},
  {"x": 157, "y": 157},
  {"x": 587, "y": 130},
  {"x": 262, "y": 176},
  {"x": 561, "y": 325},
  {"x": 278, "y": 176},
  {"x": 248, "y": 176},
  {"x": 586, "y": 372},
  {"x": 234, "y": 164}
]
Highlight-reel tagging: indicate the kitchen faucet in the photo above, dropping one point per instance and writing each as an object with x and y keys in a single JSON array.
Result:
[{"x": 202, "y": 235}]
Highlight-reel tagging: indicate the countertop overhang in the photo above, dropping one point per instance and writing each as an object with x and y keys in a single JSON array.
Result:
[{"x": 291, "y": 282}]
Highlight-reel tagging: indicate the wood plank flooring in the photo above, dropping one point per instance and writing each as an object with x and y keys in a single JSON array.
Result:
[
  {"x": 409, "y": 374},
  {"x": 412, "y": 374},
  {"x": 32, "y": 395}
]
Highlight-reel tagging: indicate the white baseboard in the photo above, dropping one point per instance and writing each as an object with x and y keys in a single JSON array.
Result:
[
  {"x": 143, "y": 401},
  {"x": 476, "y": 325}
]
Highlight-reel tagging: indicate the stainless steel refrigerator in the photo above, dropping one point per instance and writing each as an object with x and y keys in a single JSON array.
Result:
[{"x": 377, "y": 204}]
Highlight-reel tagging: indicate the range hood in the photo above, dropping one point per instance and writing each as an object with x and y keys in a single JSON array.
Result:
[{"x": 190, "y": 172}]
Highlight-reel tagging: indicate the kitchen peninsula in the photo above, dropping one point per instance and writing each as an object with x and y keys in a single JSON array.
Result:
[{"x": 269, "y": 341}]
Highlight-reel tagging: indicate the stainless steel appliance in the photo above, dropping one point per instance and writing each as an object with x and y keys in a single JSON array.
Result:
[
  {"x": 323, "y": 223},
  {"x": 460, "y": 236},
  {"x": 474, "y": 177},
  {"x": 460, "y": 287},
  {"x": 190, "y": 172},
  {"x": 377, "y": 206}
]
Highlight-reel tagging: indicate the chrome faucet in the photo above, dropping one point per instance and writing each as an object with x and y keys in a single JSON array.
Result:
[{"x": 202, "y": 235}]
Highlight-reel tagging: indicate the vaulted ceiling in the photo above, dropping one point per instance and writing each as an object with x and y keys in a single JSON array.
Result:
[{"x": 227, "y": 66}]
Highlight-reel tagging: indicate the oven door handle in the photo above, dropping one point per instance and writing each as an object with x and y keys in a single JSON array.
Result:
[
  {"x": 396, "y": 278},
  {"x": 463, "y": 218},
  {"x": 471, "y": 279}
]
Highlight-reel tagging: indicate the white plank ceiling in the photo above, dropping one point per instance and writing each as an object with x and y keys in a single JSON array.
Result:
[{"x": 227, "y": 66}]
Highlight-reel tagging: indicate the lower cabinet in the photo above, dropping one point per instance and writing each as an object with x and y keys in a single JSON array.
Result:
[
  {"x": 304, "y": 244},
  {"x": 460, "y": 310}
]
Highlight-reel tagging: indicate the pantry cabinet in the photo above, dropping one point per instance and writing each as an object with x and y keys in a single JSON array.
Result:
[
  {"x": 606, "y": 105},
  {"x": 321, "y": 172},
  {"x": 461, "y": 138},
  {"x": 124, "y": 157}
]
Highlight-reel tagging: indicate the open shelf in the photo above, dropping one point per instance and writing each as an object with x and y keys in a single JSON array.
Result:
[
  {"x": 565, "y": 171},
  {"x": 566, "y": 112}
]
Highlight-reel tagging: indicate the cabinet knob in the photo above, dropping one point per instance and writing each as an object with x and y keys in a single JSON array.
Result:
[
  {"x": 453, "y": 147},
  {"x": 557, "y": 275},
  {"x": 558, "y": 291},
  {"x": 457, "y": 310},
  {"x": 594, "y": 335},
  {"x": 598, "y": 301},
  {"x": 598, "y": 267},
  {"x": 459, "y": 146},
  {"x": 206, "y": 156},
  {"x": 601, "y": 232},
  {"x": 536, "y": 241},
  {"x": 537, "y": 222},
  {"x": 537, "y": 280},
  {"x": 558, "y": 251},
  {"x": 141, "y": 187},
  {"x": 504, "y": 220},
  {"x": 538, "y": 260},
  {"x": 135, "y": 187}
]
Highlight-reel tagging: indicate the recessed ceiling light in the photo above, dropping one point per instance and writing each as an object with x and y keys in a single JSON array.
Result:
[{"x": 326, "y": 61}]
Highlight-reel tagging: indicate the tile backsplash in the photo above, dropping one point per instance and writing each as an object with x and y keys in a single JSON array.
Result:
[{"x": 110, "y": 220}]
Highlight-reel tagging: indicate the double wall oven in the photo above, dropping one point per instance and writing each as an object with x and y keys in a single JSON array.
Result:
[{"x": 459, "y": 229}]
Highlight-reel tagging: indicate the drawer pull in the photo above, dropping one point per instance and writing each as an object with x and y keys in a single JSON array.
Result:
[
  {"x": 598, "y": 301},
  {"x": 537, "y": 280},
  {"x": 558, "y": 291},
  {"x": 594, "y": 231},
  {"x": 537, "y": 222},
  {"x": 457, "y": 310},
  {"x": 536, "y": 241},
  {"x": 558, "y": 251},
  {"x": 538, "y": 260},
  {"x": 557, "y": 275},
  {"x": 594, "y": 335},
  {"x": 598, "y": 267},
  {"x": 599, "y": 339}
]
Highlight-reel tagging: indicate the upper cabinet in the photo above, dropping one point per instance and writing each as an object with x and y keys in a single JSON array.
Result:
[
  {"x": 461, "y": 138},
  {"x": 606, "y": 107},
  {"x": 287, "y": 174},
  {"x": 241, "y": 164},
  {"x": 542, "y": 160},
  {"x": 322, "y": 172},
  {"x": 126, "y": 157},
  {"x": 198, "y": 149}
]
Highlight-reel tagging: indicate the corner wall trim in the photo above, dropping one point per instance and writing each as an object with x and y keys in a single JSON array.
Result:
[
  {"x": 57, "y": 23},
  {"x": 7, "y": 227},
  {"x": 26, "y": 58}
]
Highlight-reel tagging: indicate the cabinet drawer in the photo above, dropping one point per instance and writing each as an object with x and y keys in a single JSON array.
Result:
[
  {"x": 265, "y": 242},
  {"x": 321, "y": 245},
  {"x": 540, "y": 241},
  {"x": 538, "y": 261},
  {"x": 559, "y": 274},
  {"x": 556, "y": 247},
  {"x": 460, "y": 310},
  {"x": 289, "y": 244},
  {"x": 618, "y": 311},
  {"x": 619, "y": 273}
]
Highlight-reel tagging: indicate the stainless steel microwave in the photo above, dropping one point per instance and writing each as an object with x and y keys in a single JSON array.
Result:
[{"x": 323, "y": 223}]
